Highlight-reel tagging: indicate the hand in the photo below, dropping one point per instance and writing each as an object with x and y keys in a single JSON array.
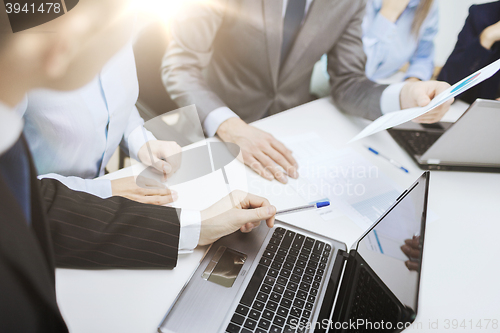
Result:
[
  {"x": 261, "y": 151},
  {"x": 420, "y": 94},
  {"x": 143, "y": 190},
  {"x": 392, "y": 9},
  {"x": 412, "y": 250},
  {"x": 238, "y": 210},
  {"x": 167, "y": 156},
  {"x": 490, "y": 35}
]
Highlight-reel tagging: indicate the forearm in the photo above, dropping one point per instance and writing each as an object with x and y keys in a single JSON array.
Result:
[
  {"x": 98, "y": 187},
  {"x": 189, "y": 52},
  {"x": 90, "y": 232},
  {"x": 352, "y": 91}
]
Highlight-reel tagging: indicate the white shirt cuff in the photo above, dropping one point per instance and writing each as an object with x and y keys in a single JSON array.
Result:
[
  {"x": 98, "y": 187},
  {"x": 390, "y": 100},
  {"x": 137, "y": 139},
  {"x": 216, "y": 118},
  {"x": 189, "y": 236}
]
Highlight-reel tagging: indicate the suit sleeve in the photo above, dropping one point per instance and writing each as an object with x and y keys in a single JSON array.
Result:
[
  {"x": 351, "y": 90},
  {"x": 468, "y": 55},
  {"x": 90, "y": 232},
  {"x": 189, "y": 52}
]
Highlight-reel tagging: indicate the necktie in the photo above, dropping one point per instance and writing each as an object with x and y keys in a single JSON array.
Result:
[
  {"x": 294, "y": 15},
  {"x": 15, "y": 171}
]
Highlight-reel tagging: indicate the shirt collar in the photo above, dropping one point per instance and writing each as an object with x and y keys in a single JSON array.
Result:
[
  {"x": 11, "y": 127},
  {"x": 411, "y": 4}
]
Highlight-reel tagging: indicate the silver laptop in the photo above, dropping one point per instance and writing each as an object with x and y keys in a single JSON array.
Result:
[
  {"x": 470, "y": 144},
  {"x": 288, "y": 279}
]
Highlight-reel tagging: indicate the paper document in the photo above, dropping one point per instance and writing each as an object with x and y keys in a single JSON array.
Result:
[
  {"x": 355, "y": 187},
  {"x": 399, "y": 117}
]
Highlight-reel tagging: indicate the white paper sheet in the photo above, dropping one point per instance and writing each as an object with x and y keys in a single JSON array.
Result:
[
  {"x": 355, "y": 187},
  {"x": 397, "y": 118}
]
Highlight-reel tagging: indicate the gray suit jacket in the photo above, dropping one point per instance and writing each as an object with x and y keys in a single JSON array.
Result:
[{"x": 227, "y": 53}]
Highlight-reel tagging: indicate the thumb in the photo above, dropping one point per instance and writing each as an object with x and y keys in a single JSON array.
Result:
[
  {"x": 423, "y": 99},
  {"x": 257, "y": 214},
  {"x": 163, "y": 166}
]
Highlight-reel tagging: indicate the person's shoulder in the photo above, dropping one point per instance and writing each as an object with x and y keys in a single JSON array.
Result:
[{"x": 481, "y": 9}]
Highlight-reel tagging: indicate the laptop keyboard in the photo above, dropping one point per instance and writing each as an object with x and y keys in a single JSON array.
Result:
[
  {"x": 284, "y": 286},
  {"x": 417, "y": 141},
  {"x": 371, "y": 302}
]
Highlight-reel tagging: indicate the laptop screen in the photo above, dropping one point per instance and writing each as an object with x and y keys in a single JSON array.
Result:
[{"x": 393, "y": 248}]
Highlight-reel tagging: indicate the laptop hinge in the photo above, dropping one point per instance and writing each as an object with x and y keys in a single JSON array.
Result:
[{"x": 332, "y": 290}]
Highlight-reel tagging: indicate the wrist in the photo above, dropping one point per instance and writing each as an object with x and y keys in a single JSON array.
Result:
[
  {"x": 487, "y": 39},
  {"x": 227, "y": 127},
  {"x": 404, "y": 93}
]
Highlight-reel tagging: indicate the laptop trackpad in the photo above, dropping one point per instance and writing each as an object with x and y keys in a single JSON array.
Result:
[{"x": 224, "y": 267}]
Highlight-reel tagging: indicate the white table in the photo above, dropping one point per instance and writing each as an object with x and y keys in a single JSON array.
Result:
[{"x": 460, "y": 268}]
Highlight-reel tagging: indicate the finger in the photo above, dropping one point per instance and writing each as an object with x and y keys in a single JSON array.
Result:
[
  {"x": 146, "y": 190},
  {"x": 277, "y": 157},
  {"x": 249, "y": 226},
  {"x": 149, "y": 183},
  {"x": 158, "y": 200},
  {"x": 164, "y": 167},
  {"x": 410, "y": 252},
  {"x": 292, "y": 165},
  {"x": 414, "y": 242},
  {"x": 412, "y": 266},
  {"x": 257, "y": 214},
  {"x": 250, "y": 200},
  {"x": 271, "y": 167},
  {"x": 257, "y": 167},
  {"x": 422, "y": 98}
]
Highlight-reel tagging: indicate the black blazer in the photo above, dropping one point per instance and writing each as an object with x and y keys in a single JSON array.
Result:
[
  {"x": 72, "y": 229},
  {"x": 469, "y": 56}
]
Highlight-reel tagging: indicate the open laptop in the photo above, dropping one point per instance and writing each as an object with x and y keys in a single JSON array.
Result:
[
  {"x": 470, "y": 144},
  {"x": 288, "y": 279}
]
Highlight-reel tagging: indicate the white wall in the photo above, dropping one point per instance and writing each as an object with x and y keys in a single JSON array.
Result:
[{"x": 452, "y": 15}]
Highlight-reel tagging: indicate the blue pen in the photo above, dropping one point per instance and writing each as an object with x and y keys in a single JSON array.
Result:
[
  {"x": 306, "y": 207},
  {"x": 393, "y": 162}
]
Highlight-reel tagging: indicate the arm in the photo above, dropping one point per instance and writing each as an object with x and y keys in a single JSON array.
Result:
[
  {"x": 98, "y": 187},
  {"x": 135, "y": 136},
  {"x": 351, "y": 90},
  {"x": 468, "y": 55},
  {"x": 90, "y": 232},
  {"x": 189, "y": 52},
  {"x": 422, "y": 61}
]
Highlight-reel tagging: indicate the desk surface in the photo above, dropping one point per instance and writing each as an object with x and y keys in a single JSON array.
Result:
[{"x": 459, "y": 273}]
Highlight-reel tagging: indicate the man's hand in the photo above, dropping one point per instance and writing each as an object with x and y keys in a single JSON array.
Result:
[
  {"x": 238, "y": 210},
  {"x": 149, "y": 191},
  {"x": 412, "y": 250},
  {"x": 166, "y": 156},
  {"x": 392, "y": 9},
  {"x": 261, "y": 151},
  {"x": 490, "y": 35},
  {"x": 416, "y": 94}
]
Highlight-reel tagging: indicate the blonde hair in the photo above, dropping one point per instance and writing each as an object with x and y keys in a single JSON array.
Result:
[{"x": 422, "y": 11}]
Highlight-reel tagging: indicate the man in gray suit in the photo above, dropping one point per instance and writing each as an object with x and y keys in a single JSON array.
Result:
[{"x": 241, "y": 60}]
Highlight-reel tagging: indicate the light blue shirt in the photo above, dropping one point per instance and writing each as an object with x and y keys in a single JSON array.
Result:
[
  {"x": 72, "y": 135},
  {"x": 389, "y": 46}
]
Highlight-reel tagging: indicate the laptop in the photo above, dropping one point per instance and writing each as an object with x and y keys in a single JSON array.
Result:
[
  {"x": 287, "y": 279},
  {"x": 470, "y": 144}
]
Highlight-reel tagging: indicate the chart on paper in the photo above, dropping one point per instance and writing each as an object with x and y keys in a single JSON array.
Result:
[{"x": 355, "y": 187}]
